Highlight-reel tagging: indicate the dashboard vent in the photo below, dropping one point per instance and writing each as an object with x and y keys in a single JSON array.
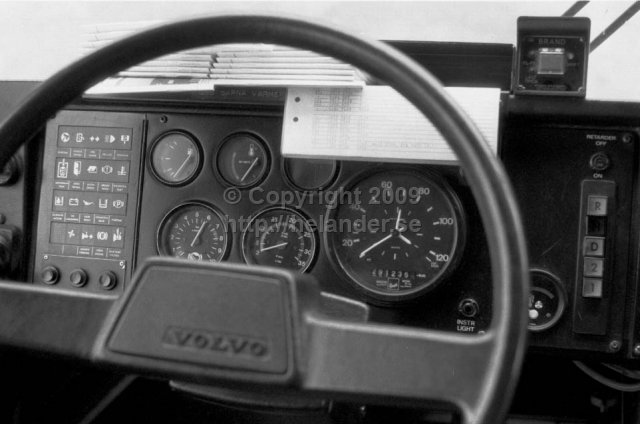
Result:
[{"x": 229, "y": 64}]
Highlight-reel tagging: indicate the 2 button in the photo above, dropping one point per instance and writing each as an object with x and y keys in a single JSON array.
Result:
[{"x": 593, "y": 267}]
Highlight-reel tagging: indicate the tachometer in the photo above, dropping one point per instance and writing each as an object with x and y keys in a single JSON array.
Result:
[
  {"x": 193, "y": 231},
  {"x": 280, "y": 237},
  {"x": 399, "y": 234}
]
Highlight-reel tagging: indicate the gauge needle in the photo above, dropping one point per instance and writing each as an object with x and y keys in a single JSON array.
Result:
[
  {"x": 398, "y": 220},
  {"x": 189, "y": 153},
  {"x": 404, "y": 239},
  {"x": 374, "y": 245},
  {"x": 198, "y": 233},
  {"x": 274, "y": 246},
  {"x": 255, "y": 161}
]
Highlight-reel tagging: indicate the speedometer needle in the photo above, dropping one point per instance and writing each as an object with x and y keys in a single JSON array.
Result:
[
  {"x": 198, "y": 233},
  {"x": 273, "y": 247},
  {"x": 374, "y": 245},
  {"x": 255, "y": 161}
]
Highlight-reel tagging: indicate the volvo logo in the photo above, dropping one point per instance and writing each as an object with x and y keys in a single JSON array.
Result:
[{"x": 214, "y": 342}]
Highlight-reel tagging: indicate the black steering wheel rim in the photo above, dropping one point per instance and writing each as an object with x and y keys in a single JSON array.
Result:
[{"x": 486, "y": 176}]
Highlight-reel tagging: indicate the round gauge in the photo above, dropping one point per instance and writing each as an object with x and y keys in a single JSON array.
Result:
[
  {"x": 400, "y": 234},
  {"x": 546, "y": 300},
  {"x": 242, "y": 160},
  {"x": 310, "y": 174},
  {"x": 175, "y": 158},
  {"x": 279, "y": 237},
  {"x": 193, "y": 231}
]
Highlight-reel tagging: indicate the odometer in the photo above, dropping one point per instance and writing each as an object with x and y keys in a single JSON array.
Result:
[{"x": 399, "y": 235}]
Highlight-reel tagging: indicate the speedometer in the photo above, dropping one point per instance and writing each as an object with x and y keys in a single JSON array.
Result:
[{"x": 398, "y": 234}]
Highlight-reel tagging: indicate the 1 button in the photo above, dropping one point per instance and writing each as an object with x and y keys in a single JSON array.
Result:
[
  {"x": 597, "y": 205},
  {"x": 593, "y": 267},
  {"x": 593, "y": 246},
  {"x": 592, "y": 287}
]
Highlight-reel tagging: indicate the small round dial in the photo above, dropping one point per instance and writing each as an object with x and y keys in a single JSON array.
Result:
[
  {"x": 546, "y": 300},
  {"x": 242, "y": 160},
  {"x": 193, "y": 231},
  {"x": 175, "y": 158},
  {"x": 280, "y": 237},
  {"x": 400, "y": 234}
]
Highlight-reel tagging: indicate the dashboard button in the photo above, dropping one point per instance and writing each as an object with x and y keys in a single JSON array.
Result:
[
  {"x": 599, "y": 162},
  {"x": 78, "y": 278},
  {"x": 50, "y": 275},
  {"x": 108, "y": 280},
  {"x": 469, "y": 308}
]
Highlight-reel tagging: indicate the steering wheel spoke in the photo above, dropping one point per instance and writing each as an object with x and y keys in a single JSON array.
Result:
[{"x": 381, "y": 361}]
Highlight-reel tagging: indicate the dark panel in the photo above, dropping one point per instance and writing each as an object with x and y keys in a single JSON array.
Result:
[
  {"x": 552, "y": 170},
  {"x": 463, "y": 64}
]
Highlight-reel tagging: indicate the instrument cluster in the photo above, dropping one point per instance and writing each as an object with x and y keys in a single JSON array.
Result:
[{"x": 392, "y": 233}]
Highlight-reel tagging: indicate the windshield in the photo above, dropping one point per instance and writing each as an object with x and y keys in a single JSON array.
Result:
[{"x": 38, "y": 38}]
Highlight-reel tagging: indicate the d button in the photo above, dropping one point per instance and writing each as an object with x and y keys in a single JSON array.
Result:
[{"x": 593, "y": 246}]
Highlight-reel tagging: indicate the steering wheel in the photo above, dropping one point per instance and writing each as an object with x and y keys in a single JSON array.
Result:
[{"x": 303, "y": 350}]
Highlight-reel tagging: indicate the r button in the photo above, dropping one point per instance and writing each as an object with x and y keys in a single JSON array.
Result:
[{"x": 597, "y": 205}]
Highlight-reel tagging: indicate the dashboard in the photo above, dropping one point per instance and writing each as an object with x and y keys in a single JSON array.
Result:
[
  {"x": 114, "y": 180},
  {"x": 121, "y": 187},
  {"x": 125, "y": 182}
]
